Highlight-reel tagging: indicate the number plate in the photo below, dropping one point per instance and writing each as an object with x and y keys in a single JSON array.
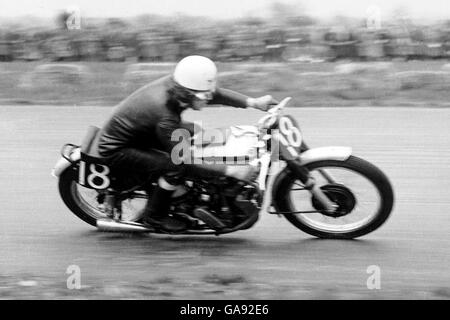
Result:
[
  {"x": 290, "y": 137},
  {"x": 93, "y": 175}
]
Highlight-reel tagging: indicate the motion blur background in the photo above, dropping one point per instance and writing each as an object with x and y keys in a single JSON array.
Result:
[
  {"x": 98, "y": 52},
  {"x": 65, "y": 64},
  {"x": 238, "y": 30}
]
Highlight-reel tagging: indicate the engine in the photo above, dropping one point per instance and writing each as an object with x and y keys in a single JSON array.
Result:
[{"x": 229, "y": 202}]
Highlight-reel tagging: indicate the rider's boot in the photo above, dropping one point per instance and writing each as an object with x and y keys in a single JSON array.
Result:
[{"x": 156, "y": 213}]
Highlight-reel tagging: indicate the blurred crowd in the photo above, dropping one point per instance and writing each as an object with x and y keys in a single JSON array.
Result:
[{"x": 168, "y": 41}]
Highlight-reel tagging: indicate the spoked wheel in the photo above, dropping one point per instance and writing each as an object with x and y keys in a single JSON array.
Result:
[
  {"x": 85, "y": 203},
  {"x": 362, "y": 193}
]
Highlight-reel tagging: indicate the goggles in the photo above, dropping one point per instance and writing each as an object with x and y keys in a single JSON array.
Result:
[
  {"x": 188, "y": 95},
  {"x": 202, "y": 95}
]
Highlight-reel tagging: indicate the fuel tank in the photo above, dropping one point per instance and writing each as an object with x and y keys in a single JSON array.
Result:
[{"x": 228, "y": 144}]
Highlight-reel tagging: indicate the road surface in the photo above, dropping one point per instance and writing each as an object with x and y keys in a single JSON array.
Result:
[{"x": 41, "y": 240}]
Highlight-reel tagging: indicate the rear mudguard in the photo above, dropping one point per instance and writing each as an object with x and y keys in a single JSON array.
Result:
[
  {"x": 313, "y": 155},
  {"x": 63, "y": 163}
]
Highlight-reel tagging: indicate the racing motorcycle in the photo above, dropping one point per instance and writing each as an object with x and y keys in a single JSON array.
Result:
[{"x": 326, "y": 192}]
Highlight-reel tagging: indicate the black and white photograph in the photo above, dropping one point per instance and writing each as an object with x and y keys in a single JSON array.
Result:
[{"x": 224, "y": 155}]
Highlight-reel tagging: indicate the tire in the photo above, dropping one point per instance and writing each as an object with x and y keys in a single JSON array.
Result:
[
  {"x": 84, "y": 210},
  {"x": 282, "y": 201},
  {"x": 65, "y": 185}
]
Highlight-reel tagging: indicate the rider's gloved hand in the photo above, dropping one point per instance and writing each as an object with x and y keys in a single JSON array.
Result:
[{"x": 262, "y": 103}]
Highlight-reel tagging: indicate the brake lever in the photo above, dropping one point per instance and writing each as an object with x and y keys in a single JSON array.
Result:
[
  {"x": 280, "y": 105},
  {"x": 274, "y": 110}
]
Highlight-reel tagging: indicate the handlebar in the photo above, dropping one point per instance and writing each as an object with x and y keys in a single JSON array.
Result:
[
  {"x": 279, "y": 106},
  {"x": 269, "y": 119}
]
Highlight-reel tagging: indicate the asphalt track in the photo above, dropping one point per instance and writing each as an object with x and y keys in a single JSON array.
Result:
[{"x": 40, "y": 238}]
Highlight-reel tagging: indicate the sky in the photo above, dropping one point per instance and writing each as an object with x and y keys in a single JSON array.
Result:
[{"x": 428, "y": 9}]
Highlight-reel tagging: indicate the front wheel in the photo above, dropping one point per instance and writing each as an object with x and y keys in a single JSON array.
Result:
[{"x": 362, "y": 192}]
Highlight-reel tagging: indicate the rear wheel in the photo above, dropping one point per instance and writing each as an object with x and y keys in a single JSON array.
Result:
[
  {"x": 362, "y": 192},
  {"x": 85, "y": 203}
]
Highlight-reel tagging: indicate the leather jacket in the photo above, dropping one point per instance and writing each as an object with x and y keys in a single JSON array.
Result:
[{"x": 147, "y": 118}]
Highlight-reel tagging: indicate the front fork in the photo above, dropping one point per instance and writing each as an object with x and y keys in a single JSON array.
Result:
[{"x": 310, "y": 184}]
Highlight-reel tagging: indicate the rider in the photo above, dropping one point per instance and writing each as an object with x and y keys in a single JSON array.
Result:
[{"x": 137, "y": 136}]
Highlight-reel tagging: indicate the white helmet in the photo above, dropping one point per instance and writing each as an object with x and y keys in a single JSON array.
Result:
[{"x": 196, "y": 73}]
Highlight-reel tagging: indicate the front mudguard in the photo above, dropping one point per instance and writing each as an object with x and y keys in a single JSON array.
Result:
[{"x": 309, "y": 156}]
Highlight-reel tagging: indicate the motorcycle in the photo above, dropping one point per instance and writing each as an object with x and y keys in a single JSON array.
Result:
[{"x": 326, "y": 192}]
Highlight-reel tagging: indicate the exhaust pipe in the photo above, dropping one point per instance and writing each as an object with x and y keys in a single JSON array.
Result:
[{"x": 108, "y": 225}]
